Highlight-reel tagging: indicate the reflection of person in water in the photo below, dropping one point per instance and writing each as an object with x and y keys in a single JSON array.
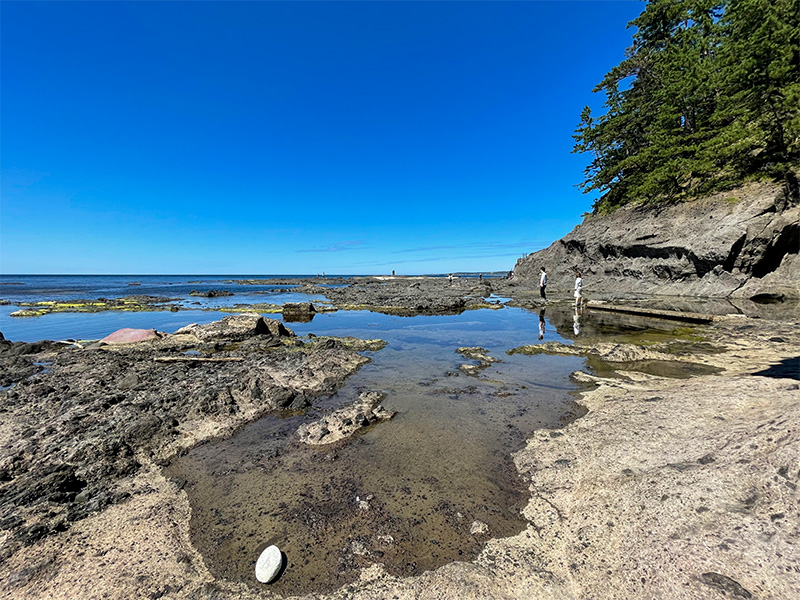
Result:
[
  {"x": 576, "y": 321},
  {"x": 541, "y": 324}
]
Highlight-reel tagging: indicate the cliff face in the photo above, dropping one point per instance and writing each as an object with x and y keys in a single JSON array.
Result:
[{"x": 742, "y": 243}]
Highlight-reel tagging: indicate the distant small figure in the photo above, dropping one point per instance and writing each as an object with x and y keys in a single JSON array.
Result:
[
  {"x": 578, "y": 289},
  {"x": 480, "y": 276},
  {"x": 450, "y": 278},
  {"x": 542, "y": 283},
  {"x": 392, "y": 272},
  {"x": 541, "y": 324},
  {"x": 323, "y": 274}
]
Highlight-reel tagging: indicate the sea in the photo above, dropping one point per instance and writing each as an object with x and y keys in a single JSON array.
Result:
[{"x": 15, "y": 289}]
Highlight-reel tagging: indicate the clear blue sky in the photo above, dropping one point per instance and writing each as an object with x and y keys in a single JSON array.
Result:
[{"x": 295, "y": 137}]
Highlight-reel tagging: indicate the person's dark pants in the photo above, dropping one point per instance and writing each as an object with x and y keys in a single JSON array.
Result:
[{"x": 541, "y": 292}]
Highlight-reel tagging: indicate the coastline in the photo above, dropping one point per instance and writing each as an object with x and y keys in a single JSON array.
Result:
[{"x": 652, "y": 456}]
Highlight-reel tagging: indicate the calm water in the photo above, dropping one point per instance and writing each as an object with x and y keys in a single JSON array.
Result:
[
  {"x": 443, "y": 463},
  {"x": 34, "y": 288}
]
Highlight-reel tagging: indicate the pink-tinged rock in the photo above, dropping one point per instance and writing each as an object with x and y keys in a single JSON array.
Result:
[{"x": 126, "y": 335}]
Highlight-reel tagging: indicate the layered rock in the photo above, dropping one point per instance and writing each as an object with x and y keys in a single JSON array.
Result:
[
  {"x": 742, "y": 243},
  {"x": 79, "y": 423}
]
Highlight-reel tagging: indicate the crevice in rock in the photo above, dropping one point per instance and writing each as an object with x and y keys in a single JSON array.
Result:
[
  {"x": 736, "y": 249},
  {"x": 701, "y": 266},
  {"x": 574, "y": 246},
  {"x": 786, "y": 243}
]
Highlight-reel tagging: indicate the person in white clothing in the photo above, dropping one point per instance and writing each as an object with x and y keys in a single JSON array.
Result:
[
  {"x": 578, "y": 289},
  {"x": 542, "y": 283}
]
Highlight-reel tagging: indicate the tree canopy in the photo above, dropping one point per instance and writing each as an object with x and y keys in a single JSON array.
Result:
[{"x": 707, "y": 97}]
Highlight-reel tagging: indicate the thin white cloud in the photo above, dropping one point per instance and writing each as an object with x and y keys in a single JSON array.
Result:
[{"x": 339, "y": 247}]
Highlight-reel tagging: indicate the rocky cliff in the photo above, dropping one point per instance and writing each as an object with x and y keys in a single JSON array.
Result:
[{"x": 743, "y": 243}]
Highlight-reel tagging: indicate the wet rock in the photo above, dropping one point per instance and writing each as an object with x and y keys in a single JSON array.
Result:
[
  {"x": 300, "y": 312},
  {"x": 476, "y": 353},
  {"x": 211, "y": 293},
  {"x": 345, "y": 422},
  {"x": 478, "y": 528}
]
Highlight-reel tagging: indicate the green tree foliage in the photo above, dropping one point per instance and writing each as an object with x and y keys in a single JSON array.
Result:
[{"x": 707, "y": 96}]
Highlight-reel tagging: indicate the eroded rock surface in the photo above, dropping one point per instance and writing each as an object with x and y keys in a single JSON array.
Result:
[
  {"x": 667, "y": 488},
  {"x": 410, "y": 296},
  {"x": 78, "y": 423},
  {"x": 343, "y": 423},
  {"x": 742, "y": 243}
]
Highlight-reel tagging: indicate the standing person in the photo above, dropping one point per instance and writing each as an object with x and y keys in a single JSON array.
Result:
[
  {"x": 578, "y": 289},
  {"x": 542, "y": 283}
]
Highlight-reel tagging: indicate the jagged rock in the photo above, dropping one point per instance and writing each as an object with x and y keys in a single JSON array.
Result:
[
  {"x": 345, "y": 422},
  {"x": 742, "y": 243},
  {"x": 299, "y": 312},
  {"x": 475, "y": 353},
  {"x": 236, "y": 328}
]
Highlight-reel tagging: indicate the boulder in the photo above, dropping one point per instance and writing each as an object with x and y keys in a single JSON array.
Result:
[
  {"x": 236, "y": 328},
  {"x": 300, "y": 312},
  {"x": 126, "y": 335}
]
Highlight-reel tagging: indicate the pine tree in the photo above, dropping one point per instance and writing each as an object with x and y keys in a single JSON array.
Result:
[{"x": 707, "y": 95}]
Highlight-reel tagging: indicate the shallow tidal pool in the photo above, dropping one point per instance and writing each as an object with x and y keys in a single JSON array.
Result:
[{"x": 424, "y": 489}]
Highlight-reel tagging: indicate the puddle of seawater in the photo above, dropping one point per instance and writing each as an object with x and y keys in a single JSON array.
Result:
[
  {"x": 660, "y": 368},
  {"x": 443, "y": 463}
]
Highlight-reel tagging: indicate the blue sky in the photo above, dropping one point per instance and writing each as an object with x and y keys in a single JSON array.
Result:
[{"x": 294, "y": 137}]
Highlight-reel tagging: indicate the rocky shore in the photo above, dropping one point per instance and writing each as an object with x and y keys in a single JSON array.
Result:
[
  {"x": 670, "y": 486},
  {"x": 81, "y": 426}
]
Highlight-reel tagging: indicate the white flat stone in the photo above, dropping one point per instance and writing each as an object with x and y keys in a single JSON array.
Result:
[{"x": 269, "y": 564}]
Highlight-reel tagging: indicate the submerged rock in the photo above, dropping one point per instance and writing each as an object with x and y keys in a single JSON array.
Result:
[{"x": 345, "y": 422}]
